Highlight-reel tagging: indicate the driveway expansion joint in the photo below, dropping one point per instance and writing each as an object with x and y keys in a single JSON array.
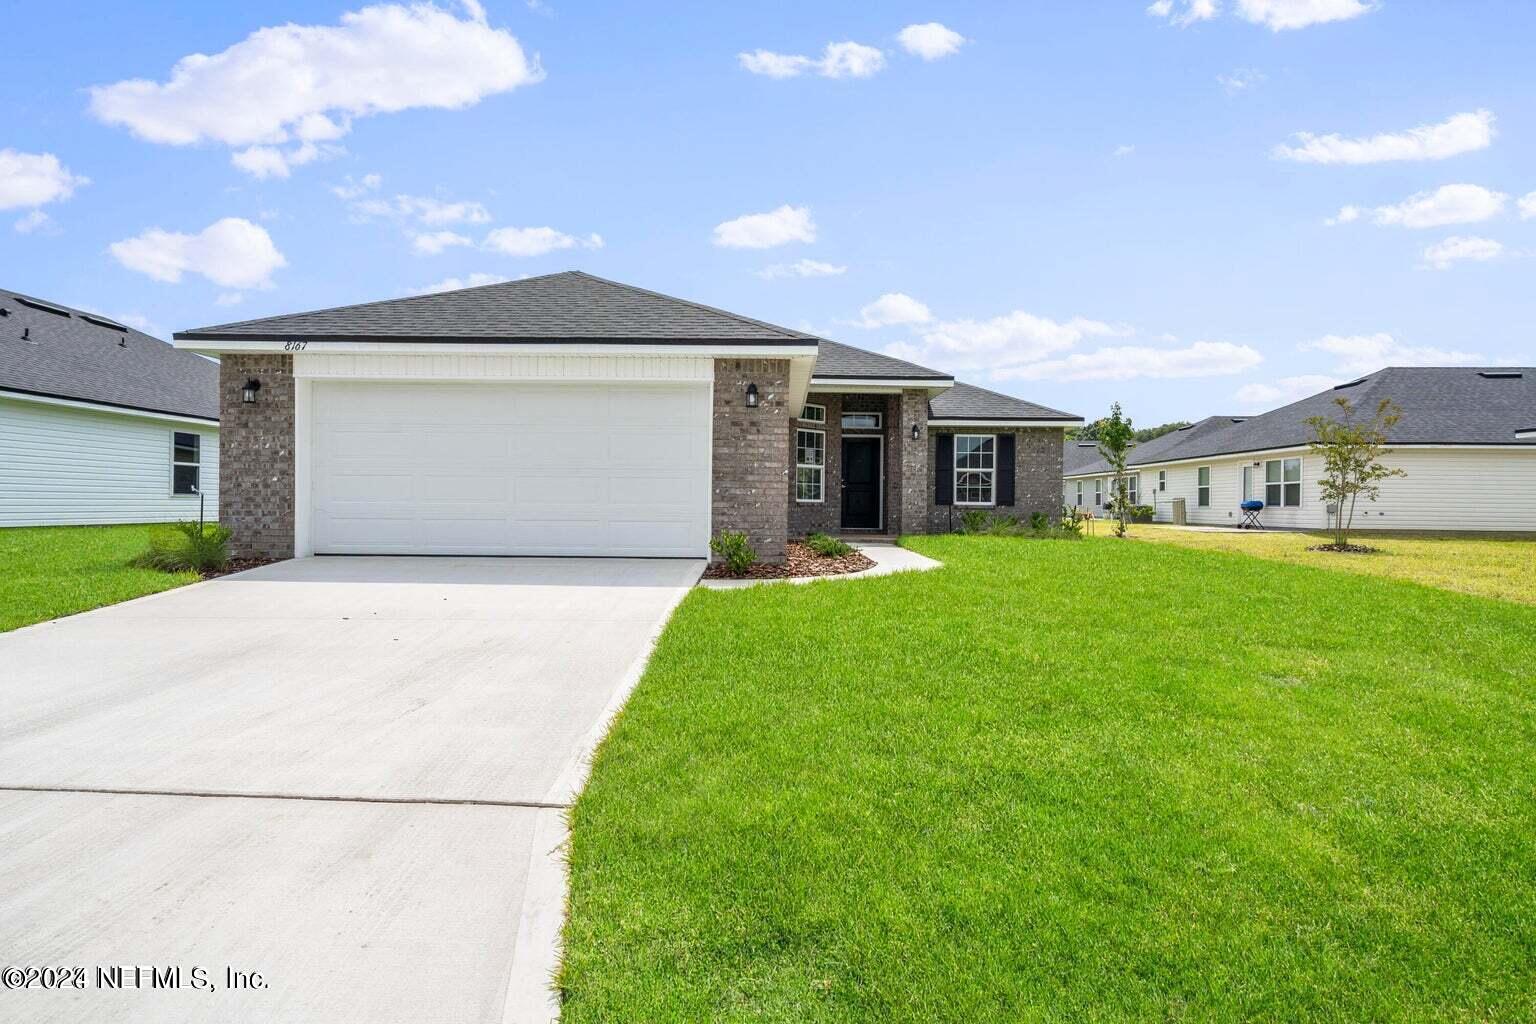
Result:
[{"x": 315, "y": 797}]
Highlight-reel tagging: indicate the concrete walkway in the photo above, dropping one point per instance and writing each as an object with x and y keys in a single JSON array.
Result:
[
  {"x": 888, "y": 558},
  {"x": 346, "y": 775}
]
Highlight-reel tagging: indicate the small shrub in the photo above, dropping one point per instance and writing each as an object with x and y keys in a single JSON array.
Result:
[
  {"x": 733, "y": 549},
  {"x": 1143, "y": 513},
  {"x": 974, "y": 520},
  {"x": 1000, "y": 524},
  {"x": 1073, "y": 520},
  {"x": 828, "y": 547},
  {"x": 201, "y": 547},
  {"x": 1039, "y": 521}
]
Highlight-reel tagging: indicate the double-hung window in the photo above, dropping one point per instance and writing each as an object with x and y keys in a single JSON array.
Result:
[
  {"x": 810, "y": 465},
  {"x": 1282, "y": 483},
  {"x": 1134, "y": 483},
  {"x": 1203, "y": 487},
  {"x": 186, "y": 462},
  {"x": 1079, "y": 503},
  {"x": 1098, "y": 490},
  {"x": 975, "y": 468},
  {"x": 1162, "y": 480}
]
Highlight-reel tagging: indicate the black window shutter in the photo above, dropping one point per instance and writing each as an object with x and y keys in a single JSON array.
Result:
[
  {"x": 944, "y": 472},
  {"x": 1005, "y": 469}
]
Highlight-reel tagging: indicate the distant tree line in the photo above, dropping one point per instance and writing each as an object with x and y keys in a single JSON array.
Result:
[{"x": 1093, "y": 431}]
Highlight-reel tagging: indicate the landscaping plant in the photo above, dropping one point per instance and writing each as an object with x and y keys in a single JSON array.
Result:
[
  {"x": 828, "y": 547},
  {"x": 200, "y": 547},
  {"x": 733, "y": 549},
  {"x": 1351, "y": 451},
  {"x": 1115, "y": 437}
]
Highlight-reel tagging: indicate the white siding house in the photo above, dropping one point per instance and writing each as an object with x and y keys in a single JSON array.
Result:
[
  {"x": 1469, "y": 467},
  {"x": 100, "y": 423}
]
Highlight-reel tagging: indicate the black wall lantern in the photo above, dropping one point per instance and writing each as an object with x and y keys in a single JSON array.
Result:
[
  {"x": 248, "y": 393},
  {"x": 916, "y": 434},
  {"x": 751, "y": 396}
]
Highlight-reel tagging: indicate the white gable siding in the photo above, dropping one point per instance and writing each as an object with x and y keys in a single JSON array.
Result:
[{"x": 61, "y": 465}]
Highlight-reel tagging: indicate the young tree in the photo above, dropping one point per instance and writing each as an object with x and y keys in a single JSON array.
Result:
[
  {"x": 1115, "y": 436},
  {"x": 1351, "y": 451}
]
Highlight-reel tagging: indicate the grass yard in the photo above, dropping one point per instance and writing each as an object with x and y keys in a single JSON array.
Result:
[
  {"x": 49, "y": 571},
  {"x": 1492, "y": 567},
  {"x": 1247, "y": 791}
]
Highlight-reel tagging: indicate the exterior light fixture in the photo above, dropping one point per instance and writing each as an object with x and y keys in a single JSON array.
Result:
[
  {"x": 248, "y": 393},
  {"x": 916, "y": 433},
  {"x": 751, "y": 396}
]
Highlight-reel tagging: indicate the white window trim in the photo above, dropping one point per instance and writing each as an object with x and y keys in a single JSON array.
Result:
[
  {"x": 991, "y": 474},
  {"x": 1282, "y": 483},
  {"x": 879, "y": 423},
  {"x": 198, "y": 464},
  {"x": 1206, "y": 487},
  {"x": 1079, "y": 502},
  {"x": 1162, "y": 480},
  {"x": 821, "y": 470},
  {"x": 1098, "y": 492},
  {"x": 812, "y": 405}
]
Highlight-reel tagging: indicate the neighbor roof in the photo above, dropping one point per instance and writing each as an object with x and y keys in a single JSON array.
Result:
[
  {"x": 60, "y": 352},
  {"x": 1086, "y": 461},
  {"x": 837, "y": 361},
  {"x": 1444, "y": 405},
  {"x": 570, "y": 306},
  {"x": 969, "y": 402}
]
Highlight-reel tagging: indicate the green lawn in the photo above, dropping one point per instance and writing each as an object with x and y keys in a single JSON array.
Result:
[
  {"x": 48, "y": 571},
  {"x": 1246, "y": 791},
  {"x": 1491, "y": 566}
]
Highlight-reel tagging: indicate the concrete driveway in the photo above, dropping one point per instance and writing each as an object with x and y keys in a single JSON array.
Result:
[{"x": 346, "y": 775}]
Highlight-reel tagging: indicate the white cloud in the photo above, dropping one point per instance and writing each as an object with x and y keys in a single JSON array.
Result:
[
  {"x": 1279, "y": 15},
  {"x": 1359, "y": 354},
  {"x": 1009, "y": 340},
  {"x": 1256, "y": 398},
  {"x": 1528, "y": 206},
  {"x": 1124, "y": 150},
  {"x": 930, "y": 40},
  {"x": 1461, "y": 133},
  {"x": 453, "y": 284},
  {"x": 1240, "y": 80},
  {"x": 431, "y": 243},
  {"x": 1448, "y": 204},
  {"x": 229, "y": 299},
  {"x": 893, "y": 308},
  {"x": 232, "y": 253},
  {"x": 801, "y": 268},
  {"x": 1460, "y": 249},
  {"x": 34, "y": 179},
  {"x": 302, "y": 85},
  {"x": 766, "y": 230},
  {"x": 1126, "y": 362},
  {"x": 1346, "y": 215},
  {"x": 33, "y": 221},
  {"x": 536, "y": 241},
  {"x": 351, "y": 188},
  {"x": 1186, "y": 13},
  {"x": 838, "y": 60}
]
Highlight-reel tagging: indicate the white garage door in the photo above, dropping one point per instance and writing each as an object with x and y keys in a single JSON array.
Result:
[{"x": 510, "y": 469}]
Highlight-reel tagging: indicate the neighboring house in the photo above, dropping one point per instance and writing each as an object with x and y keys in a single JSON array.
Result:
[
  {"x": 100, "y": 423},
  {"x": 1465, "y": 442},
  {"x": 570, "y": 415}
]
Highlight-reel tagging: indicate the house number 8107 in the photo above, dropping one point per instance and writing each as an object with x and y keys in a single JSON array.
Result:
[{"x": 295, "y": 346}]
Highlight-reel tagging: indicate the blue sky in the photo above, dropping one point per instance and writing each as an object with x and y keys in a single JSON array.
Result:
[{"x": 1071, "y": 202}]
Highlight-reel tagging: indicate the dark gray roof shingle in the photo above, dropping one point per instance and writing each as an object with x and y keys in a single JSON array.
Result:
[
  {"x": 77, "y": 355},
  {"x": 969, "y": 402},
  {"x": 836, "y": 360},
  {"x": 570, "y": 306}
]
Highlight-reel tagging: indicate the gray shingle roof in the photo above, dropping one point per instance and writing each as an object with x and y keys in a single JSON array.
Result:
[
  {"x": 66, "y": 355},
  {"x": 1087, "y": 461},
  {"x": 570, "y": 306},
  {"x": 969, "y": 402},
  {"x": 836, "y": 360}
]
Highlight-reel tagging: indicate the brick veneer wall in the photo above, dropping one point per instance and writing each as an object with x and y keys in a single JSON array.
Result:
[
  {"x": 827, "y": 516},
  {"x": 915, "y": 489},
  {"x": 256, "y": 456},
  {"x": 1036, "y": 473},
  {"x": 752, "y": 458}
]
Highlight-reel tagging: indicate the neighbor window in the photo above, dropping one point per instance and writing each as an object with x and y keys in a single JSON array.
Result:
[
  {"x": 1203, "y": 487},
  {"x": 810, "y": 465},
  {"x": 1098, "y": 490},
  {"x": 1079, "y": 502},
  {"x": 861, "y": 420},
  {"x": 975, "y": 468},
  {"x": 813, "y": 413},
  {"x": 1134, "y": 482},
  {"x": 186, "y": 463},
  {"x": 1282, "y": 483},
  {"x": 1162, "y": 480}
]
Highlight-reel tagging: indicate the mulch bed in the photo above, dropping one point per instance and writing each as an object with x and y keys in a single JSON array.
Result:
[
  {"x": 799, "y": 561},
  {"x": 1345, "y": 549},
  {"x": 237, "y": 565}
]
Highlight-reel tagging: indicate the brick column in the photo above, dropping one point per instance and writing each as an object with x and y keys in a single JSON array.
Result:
[
  {"x": 914, "y": 461},
  {"x": 750, "y": 489},
  {"x": 256, "y": 456}
]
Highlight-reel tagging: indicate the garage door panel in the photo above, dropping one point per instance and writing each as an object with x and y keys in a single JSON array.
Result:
[{"x": 510, "y": 469}]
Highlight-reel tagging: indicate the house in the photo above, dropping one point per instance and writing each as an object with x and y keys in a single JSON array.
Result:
[
  {"x": 100, "y": 423},
  {"x": 1465, "y": 443},
  {"x": 571, "y": 415}
]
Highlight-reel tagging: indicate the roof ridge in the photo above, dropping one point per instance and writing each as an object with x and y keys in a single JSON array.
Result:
[{"x": 787, "y": 332}]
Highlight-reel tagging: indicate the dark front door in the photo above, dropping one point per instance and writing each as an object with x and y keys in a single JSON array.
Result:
[{"x": 861, "y": 483}]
